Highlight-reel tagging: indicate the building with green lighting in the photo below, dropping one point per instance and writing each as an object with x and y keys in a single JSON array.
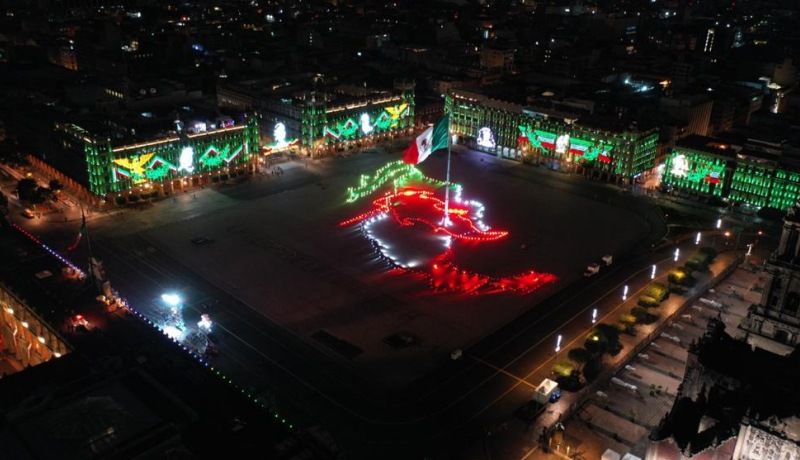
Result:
[
  {"x": 707, "y": 167},
  {"x": 512, "y": 130},
  {"x": 326, "y": 119},
  {"x": 151, "y": 165}
]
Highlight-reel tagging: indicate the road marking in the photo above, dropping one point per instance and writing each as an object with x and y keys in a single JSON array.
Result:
[
  {"x": 535, "y": 448},
  {"x": 503, "y": 371},
  {"x": 550, "y": 358}
]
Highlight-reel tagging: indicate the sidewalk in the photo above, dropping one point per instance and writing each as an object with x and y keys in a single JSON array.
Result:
[{"x": 633, "y": 345}]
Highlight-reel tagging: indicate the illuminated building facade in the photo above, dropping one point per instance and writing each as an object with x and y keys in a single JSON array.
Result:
[
  {"x": 25, "y": 336},
  {"x": 172, "y": 161},
  {"x": 708, "y": 167},
  {"x": 320, "y": 122},
  {"x": 513, "y": 131}
]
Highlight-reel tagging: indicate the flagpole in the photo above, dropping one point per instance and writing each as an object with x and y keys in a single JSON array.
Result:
[
  {"x": 447, "y": 180},
  {"x": 89, "y": 247}
]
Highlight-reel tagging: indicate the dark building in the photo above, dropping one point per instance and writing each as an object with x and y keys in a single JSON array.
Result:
[
  {"x": 735, "y": 402},
  {"x": 777, "y": 317}
]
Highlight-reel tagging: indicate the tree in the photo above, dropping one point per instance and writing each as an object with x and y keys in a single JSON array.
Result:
[
  {"x": 54, "y": 185},
  {"x": 579, "y": 355},
  {"x": 27, "y": 190}
]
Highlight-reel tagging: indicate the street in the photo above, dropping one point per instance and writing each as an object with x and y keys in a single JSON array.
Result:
[{"x": 442, "y": 403}]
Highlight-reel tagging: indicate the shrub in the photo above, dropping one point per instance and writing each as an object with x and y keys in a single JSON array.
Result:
[
  {"x": 679, "y": 276},
  {"x": 627, "y": 318},
  {"x": 647, "y": 301},
  {"x": 643, "y": 316},
  {"x": 657, "y": 291},
  {"x": 563, "y": 369},
  {"x": 571, "y": 383},
  {"x": 596, "y": 343},
  {"x": 592, "y": 368},
  {"x": 700, "y": 261}
]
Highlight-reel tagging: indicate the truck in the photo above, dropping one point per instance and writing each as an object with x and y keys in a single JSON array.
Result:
[{"x": 546, "y": 392}]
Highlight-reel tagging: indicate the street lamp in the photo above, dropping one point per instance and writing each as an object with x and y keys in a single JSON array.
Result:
[
  {"x": 719, "y": 224},
  {"x": 677, "y": 254},
  {"x": 171, "y": 299},
  {"x": 697, "y": 238},
  {"x": 594, "y": 315},
  {"x": 625, "y": 293},
  {"x": 653, "y": 272},
  {"x": 558, "y": 343}
]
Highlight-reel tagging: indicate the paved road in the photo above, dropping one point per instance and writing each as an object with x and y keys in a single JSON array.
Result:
[{"x": 456, "y": 403}]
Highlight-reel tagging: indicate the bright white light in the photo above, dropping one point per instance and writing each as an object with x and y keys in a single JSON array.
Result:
[
  {"x": 625, "y": 293},
  {"x": 172, "y": 332},
  {"x": 205, "y": 322},
  {"x": 186, "y": 160},
  {"x": 366, "y": 126},
  {"x": 558, "y": 343},
  {"x": 486, "y": 138},
  {"x": 719, "y": 224},
  {"x": 279, "y": 134},
  {"x": 677, "y": 253},
  {"x": 594, "y": 315},
  {"x": 697, "y": 238},
  {"x": 680, "y": 166},
  {"x": 57, "y": 354},
  {"x": 750, "y": 249},
  {"x": 653, "y": 272},
  {"x": 171, "y": 299},
  {"x": 562, "y": 143},
  {"x": 453, "y": 138}
]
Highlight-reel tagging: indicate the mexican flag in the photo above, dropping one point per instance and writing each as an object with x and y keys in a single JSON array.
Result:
[
  {"x": 78, "y": 238},
  {"x": 431, "y": 140}
]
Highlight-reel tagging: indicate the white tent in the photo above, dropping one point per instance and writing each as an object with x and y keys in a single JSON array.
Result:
[{"x": 610, "y": 454}]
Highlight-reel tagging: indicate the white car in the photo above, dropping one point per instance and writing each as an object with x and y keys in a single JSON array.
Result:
[{"x": 591, "y": 270}]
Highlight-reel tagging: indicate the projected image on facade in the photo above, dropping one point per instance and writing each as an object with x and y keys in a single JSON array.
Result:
[{"x": 114, "y": 169}]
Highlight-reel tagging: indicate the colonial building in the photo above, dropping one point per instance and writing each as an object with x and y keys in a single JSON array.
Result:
[
  {"x": 180, "y": 157},
  {"x": 319, "y": 119},
  {"x": 777, "y": 317},
  {"x": 559, "y": 140},
  {"x": 736, "y": 402},
  {"x": 708, "y": 167}
]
